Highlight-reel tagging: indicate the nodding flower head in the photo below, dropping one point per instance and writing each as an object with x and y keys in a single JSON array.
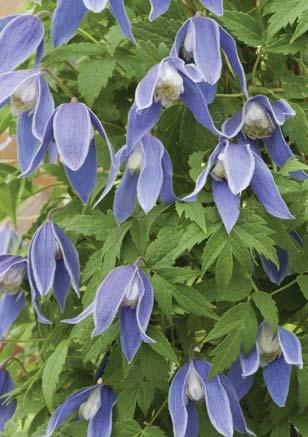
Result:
[
  {"x": 269, "y": 347},
  {"x": 169, "y": 86},
  {"x": 24, "y": 98},
  {"x": 90, "y": 407},
  {"x": 257, "y": 122},
  {"x": 134, "y": 162}
]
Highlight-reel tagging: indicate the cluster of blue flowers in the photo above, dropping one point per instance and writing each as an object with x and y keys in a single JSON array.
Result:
[{"x": 190, "y": 73}]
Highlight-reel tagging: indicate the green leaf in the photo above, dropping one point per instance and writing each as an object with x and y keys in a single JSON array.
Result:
[
  {"x": 153, "y": 431},
  {"x": 162, "y": 345},
  {"x": 145, "y": 396},
  {"x": 302, "y": 281},
  {"x": 63, "y": 53},
  {"x": 193, "y": 211},
  {"x": 267, "y": 307},
  {"x": 226, "y": 352},
  {"x": 302, "y": 378},
  {"x": 284, "y": 13},
  {"x": 213, "y": 248},
  {"x": 302, "y": 26},
  {"x": 163, "y": 295},
  {"x": 93, "y": 77},
  {"x": 51, "y": 373},
  {"x": 192, "y": 301},
  {"x": 127, "y": 400},
  {"x": 244, "y": 27},
  {"x": 296, "y": 128},
  {"x": 224, "y": 267},
  {"x": 126, "y": 428}
]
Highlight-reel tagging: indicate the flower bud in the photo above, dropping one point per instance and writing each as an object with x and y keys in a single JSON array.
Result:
[
  {"x": 194, "y": 389},
  {"x": 257, "y": 123},
  {"x": 11, "y": 281},
  {"x": 169, "y": 86},
  {"x": 134, "y": 162},
  {"x": 24, "y": 98},
  {"x": 219, "y": 171},
  {"x": 269, "y": 347},
  {"x": 89, "y": 409},
  {"x": 131, "y": 295}
]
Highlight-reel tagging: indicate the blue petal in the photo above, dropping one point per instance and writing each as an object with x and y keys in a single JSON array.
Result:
[
  {"x": 6, "y": 410},
  {"x": 83, "y": 180},
  {"x": 61, "y": 283},
  {"x": 10, "y": 308},
  {"x": 26, "y": 141},
  {"x": 124, "y": 198},
  {"x": 66, "y": 20},
  {"x": 277, "y": 379},
  {"x": 277, "y": 275},
  {"x": 144, "y": 306},
  {"x": 158, "y": 7},
  {"x": 215, "y": 6},
  {"x": 177, "y": 400},
  {"x": 239, "y": 164},
  {"x": 291, "y": 347},
  {"x": 44, "y": 108},
  {"x": 240, "y": 384},
  {"x": 167, "y": 194},
  {"x": 117, "y": 9},
  {"x": 250, "y": 363},
  {"x": 130, "y": 334},
  {"x": 101, "y": 424},
  {"x": 228, "y": 204}
]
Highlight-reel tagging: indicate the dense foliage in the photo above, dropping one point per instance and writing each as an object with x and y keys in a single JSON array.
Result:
[{"x": 212, "y": 288}]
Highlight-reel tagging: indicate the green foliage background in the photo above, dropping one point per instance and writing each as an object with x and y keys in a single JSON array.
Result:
[{"x": 210, "y": 289}]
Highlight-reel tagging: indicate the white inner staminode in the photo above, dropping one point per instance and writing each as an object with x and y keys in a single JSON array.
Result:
[
  {"x": 194, "y": 388},
  {"x": 134, "y": 162},
  {"x": 257, "y": 123},
  {"x": 219, "y": 171},
  {"x": 58, "y": 252},
  {"x": 89, "y": 408},
  {"x": 11, "y": 281},
  {"x": 24, "y": 98},
  {"x": 269, "y": 347},
  {"x": 188, "y": 49},
  {"x": 169, "y": 86},
  {"x": 131, "y": 295}
]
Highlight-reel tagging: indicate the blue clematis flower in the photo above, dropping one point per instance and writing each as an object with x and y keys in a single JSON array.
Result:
[
  {"x": 7, "y": 409},
  {"x": 69, "y": 14},
  {"x": 233, "y": 168},
  {"x": 148, "y": 175},
  {"x": 190, "y": 385},
  {"x": 72, "y": 127},
  {"x": 164, "y": 84},
  {"x": 53, "y": 262},
  {"x": 159, "y": 7},
  {"x": 12, "y": 273},
  {"x": 203, "y": 40},
  {"x": 275, "y": 355},
  {"x": 94, "y": 404},
  {"x": 261, "y": 119},
  {"x": 277, "y": 275},
  {"x": 128, "y": 290},
  {"x": 20, "y": 36},
  {"x": 31, "y": 100}
]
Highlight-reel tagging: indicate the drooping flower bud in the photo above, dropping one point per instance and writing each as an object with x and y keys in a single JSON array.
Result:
[
  {"x": 194, "y": 389},
  {"x": 269, "y": 347},
  {"x": 88, "y": 409},
  {"x": 257, "y": 123},
  {"x": 24, "y": 98},
  {"x": 134, "y": 162},
  {"x": 132, "y": 294},
  {"x": 219, "y": 171},
  {"x": 12, "y": 279},
  {"x": 169, "y": 86}
]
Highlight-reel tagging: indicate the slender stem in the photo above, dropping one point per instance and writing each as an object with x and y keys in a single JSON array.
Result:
[
  {"x": 284, "y": 287},
  {"x": 155, "y": 416},
  {"x": 255, "y": 67},
  {"x": 59, "y": 83},
  {"x": 230, "y": 95},
  {"x": 9, "y": 360},
  {"x": 91, "y": 38}
]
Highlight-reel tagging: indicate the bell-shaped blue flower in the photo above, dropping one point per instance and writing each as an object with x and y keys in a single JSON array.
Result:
[
  {"x": 202, "y": 41},
  {"x": 190, "y": 385},
  {"x": 162, "y": 86},
  {"x": 69, "y": 14},
  {"x": 53, "y": 262},
  {"x": 31, "y": 101},
  {"x": 260, "y": 119},
  {"x": 93, "y": 404},
  {"x": 159, "y": 7},
  {"x": 72, "y": 127},
  {"x": 7, "y": 409},
  {"x": 275, "y": 354},
  {"x": 234, "y": 167},
  {"x": 127, "y": 290},
  {"x": 20, "y": 36},
  {"x": 148, "y": 175},
  {"x": 12, "y": 273}
]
